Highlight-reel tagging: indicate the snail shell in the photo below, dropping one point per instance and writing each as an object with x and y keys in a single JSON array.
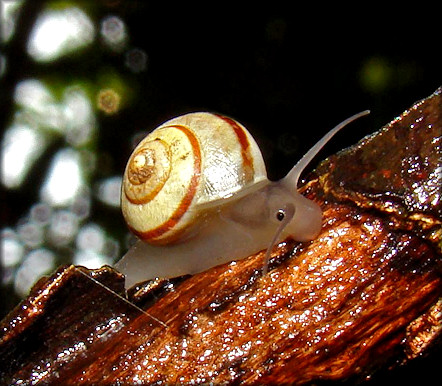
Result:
[{"x": 182, "y": 169}]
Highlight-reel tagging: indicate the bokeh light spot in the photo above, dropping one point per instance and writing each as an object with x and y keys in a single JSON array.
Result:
[
  {"x": 90, "y": 259},
  {"x": 32, "y": 94},
  {"x": 136, "y": 60},
  {"x": 8, "y": 17},
  {"x": 376, "y": 74},
  {"x": 64, "y": 178},
  {"x": 12, "y": 249},
  {"x": 60, "y": 32},
  {"x": 108, "y": 100},
  {"x": 92, "y": 237},
  {"x": 21, "y": 147},
  {"x": 31, "y": 234},
  {"x": 41, "y": 213},
  {"x": 113, "y": 31},
  {"x": 81, "y": 205},
  {"x": 79, "y": 119},
  {"x": 37, "y": 263},
  {"x": 63, "y": 227},
  {"x": 109, "y": 191}
]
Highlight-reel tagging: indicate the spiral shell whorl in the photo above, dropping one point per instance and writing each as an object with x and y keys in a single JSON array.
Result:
[
  {"x": 147, "y": 171},
  {"x": 187, "y": 163}
]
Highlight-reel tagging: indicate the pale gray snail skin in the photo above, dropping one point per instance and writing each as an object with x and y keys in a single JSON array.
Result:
[{"x": 226, "y": 226}]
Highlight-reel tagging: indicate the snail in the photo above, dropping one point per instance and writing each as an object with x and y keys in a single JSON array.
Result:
[{"x": 195, "y": 192}]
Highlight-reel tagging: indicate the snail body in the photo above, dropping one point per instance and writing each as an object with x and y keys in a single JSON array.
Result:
[{"x": 195, "y": 191}]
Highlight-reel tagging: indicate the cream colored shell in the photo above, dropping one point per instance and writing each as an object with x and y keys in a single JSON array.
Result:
[{"x": 185, "y": 167}]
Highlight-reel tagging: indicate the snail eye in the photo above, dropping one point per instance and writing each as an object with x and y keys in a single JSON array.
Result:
[{"x": 280, "y": 215}]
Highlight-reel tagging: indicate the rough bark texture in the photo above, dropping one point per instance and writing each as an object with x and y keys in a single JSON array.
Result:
[{"x": 365, "y": 294}]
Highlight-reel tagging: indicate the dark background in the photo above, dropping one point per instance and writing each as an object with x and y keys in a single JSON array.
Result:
[{"x": 289, "y": 73}]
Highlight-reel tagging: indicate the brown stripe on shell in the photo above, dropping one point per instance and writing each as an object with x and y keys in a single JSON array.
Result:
[
  {"x": 247, "y": 158},
  {"x": 185, "y": 203}
]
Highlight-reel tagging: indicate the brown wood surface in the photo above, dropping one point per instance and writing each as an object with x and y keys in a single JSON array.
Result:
[{"x": 364, "y": 295}]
